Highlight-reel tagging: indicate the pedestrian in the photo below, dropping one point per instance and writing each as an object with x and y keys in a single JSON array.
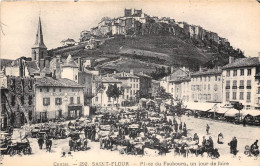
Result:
[
  {"x": 233, "y": 146},
  {"x": 40, "y": 142},
  {"x": 63, "y": 154},
  {"x": 180, "y": 127},
  {"x": 211, "y": 144},
  {"x": 220, "y": 138},
  {"x": 244, "y": 122},
  {"x": 196, "y": 138},
  {"x": 207, "y": 129},
  {"x": 48, "y": 143}
]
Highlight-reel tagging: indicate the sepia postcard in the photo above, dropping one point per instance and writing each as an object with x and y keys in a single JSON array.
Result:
[{"x": 130, "y": 83}]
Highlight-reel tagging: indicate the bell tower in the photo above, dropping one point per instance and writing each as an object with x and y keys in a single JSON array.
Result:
[{"x": 39, "y": 50}]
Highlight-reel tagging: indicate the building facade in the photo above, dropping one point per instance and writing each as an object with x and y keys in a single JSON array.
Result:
[
  {"x": 58, "y": 98},
  {"x": 206, "y": 86},
  {"x": 239, "y": 81}
]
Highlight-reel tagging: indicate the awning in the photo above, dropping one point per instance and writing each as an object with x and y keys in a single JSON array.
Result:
[
  {"x": 220, "y": 110},
  {"x": 200, "y": 106},
  {"x": 250, "y": 112},
  {"x": 232, "y": 113}
]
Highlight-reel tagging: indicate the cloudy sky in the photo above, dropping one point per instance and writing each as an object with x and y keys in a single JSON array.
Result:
[{"x": 236, "y": 20}]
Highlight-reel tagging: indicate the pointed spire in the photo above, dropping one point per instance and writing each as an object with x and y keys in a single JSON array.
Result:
[{"x": 39, "y": 37}]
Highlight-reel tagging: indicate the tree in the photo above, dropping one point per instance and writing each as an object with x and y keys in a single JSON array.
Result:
[
  {"x": 113, "y": 91},
  {"x": 161, "y": 93}
]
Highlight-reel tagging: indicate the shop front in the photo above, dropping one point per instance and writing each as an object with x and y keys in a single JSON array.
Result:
[{"x": 74, "y": 111}]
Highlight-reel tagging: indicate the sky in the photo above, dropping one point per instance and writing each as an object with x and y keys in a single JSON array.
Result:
[{"x": 236, "y": 20}]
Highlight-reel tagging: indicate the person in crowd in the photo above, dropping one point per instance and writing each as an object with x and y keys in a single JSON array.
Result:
[
  {"x": 210, "y": 143},
  {"x": 233, "y": 146},
  {"x": 63, "y": 154},
  {"x": 255, "y": 148},
  {"x": 220, "y": 138},
  {"x": 180, "y": 126},
  {"x": 196, "y": 138},
  {"x": 207, "y": 129},
  {"x": 40, "y": 142}
]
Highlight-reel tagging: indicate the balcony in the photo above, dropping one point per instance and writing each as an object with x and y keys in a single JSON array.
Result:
[
  {"x": 241, "y": 87},
  {"x": 234, "y": 87},
  {"x": 248, "y": 87},
  {"x": 227, "y": 87}
]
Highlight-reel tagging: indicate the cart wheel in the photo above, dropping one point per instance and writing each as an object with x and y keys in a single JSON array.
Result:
[
  {"x": 246, "y": 152},
  {"x": 11, "y": 152}
]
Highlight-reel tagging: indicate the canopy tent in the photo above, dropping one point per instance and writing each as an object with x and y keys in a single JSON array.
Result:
[
  {"x": 219, "y": 109},
  {"x": 250, "y": 112},
  {"x": 232, "y": 113},
  {"x": 199, "y": 106}
]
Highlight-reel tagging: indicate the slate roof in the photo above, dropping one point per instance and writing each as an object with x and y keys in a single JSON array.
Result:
[
  {"x": 243, "y": 62},
  {"x": 62, "y": 82},
  {"x": 5, "y": 62},
  {"x": 32, "y": 67},
  {"x": 124, "y": 75},
  {"x": 208, "y": 72},
  {"x": 70, "y": 62},
  {"x": 107, "y": 79},
  {"x": 180, "y": 79}
]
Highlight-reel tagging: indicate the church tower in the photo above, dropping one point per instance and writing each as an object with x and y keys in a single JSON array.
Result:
[{"x": 39, "y": 50}]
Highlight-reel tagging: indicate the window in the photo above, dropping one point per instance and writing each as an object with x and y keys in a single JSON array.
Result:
[
  {"x": 30, "y": 100},
  {"x": 13, "y": 100},
  {"x": 248, "y": 84},
  {"x": 228, "y": 73},
  {"x": 71, "y": 100},
  {"x": 258, "y": 90},
  {"x": 209, "y": 87},
  {"x": 205, "y": 79},
  {"x": 136, "y": 85},
  {"x": 234, "y": 73},
  {"x": 241, "y": 96},
  {"x": 53, "y": 89},
  {"x": 30, "y": 85},
  {"x": 40, "y": 89},
  {"x": 60, "y": 89},
  {"x": 76, "y": 77},
  {"x": 227, "y": 96},
  {"x": 130, "y": 79},
  {"x": 241, "y": 84},
  {"x": 46, "y": 101},
  {"x": 78, "y": 100},
  {"x": 234, "y": 84},
  {"x": 209, "y": 97},
  {"x": 249, "y": 72},
  {"x": 22, "y": 100},
  {"x": 47, "y": 89},
  {"x": 172, "y": 90},
  {"x": 96, "y": 99},
  {"x": 216, "y": 78},
  {"x": 248, "y": 107},
  {"x": 58, "y": 101},
  {"x": 248, "y": 96},
  {"x": 234, "y": 96},
  {"x": 241, "y": 72},
  {"x": 209, "y": 78},
  {"x": 227, "y": 84}
]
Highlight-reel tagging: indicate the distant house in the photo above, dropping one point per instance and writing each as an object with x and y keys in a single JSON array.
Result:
[
  {"x": 191, "y": 31},
  {"x": 68, "y": 42}
]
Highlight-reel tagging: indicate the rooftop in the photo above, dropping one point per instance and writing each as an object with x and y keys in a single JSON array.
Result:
[
  {"x": 106, "y": 79},
  {"x": 243, "y": 62},
  {"x": 214, "y": 71},
  {"x": 62, "y": 82}
]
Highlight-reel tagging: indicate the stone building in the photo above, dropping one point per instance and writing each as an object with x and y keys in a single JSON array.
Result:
[
  {"x": 206, "y": 86},
  {"x": 239, "y": 81},
  {"x": 58, "y": 98}
]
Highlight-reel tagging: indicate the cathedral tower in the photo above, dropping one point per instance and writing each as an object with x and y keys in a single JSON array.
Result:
[{"x": 39, "y": 50}]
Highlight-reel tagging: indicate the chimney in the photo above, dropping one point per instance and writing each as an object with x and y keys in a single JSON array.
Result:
[
  {"x": 131, "y": 71},
  {"x": 80, "y": 64},
  {"x": 42, "y": 64},
  {"x": 231, "y": 59},
  {"x": 58, "y": 67},
  {"x": 172, "y": 69},
  {"x": 183, "y": 68},
  {"x": 47, "y": 61}
]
